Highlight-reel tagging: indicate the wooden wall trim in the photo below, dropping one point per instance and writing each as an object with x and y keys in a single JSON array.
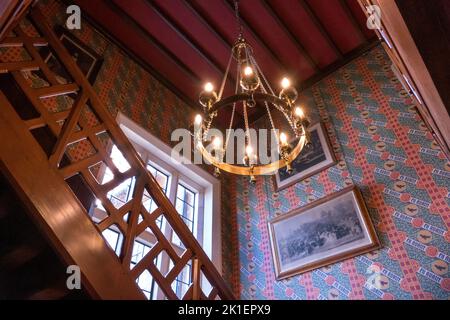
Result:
[{"x": 409, "y": 58}]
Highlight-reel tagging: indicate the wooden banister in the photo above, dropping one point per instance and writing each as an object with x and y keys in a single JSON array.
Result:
[
  {"x": 66, "y": 136},
  {"x": 57, "y": 211}
]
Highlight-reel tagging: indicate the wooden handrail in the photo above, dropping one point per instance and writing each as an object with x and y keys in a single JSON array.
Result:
[
  {"x": 57, "y": 212},
  {"x": 144, "y": 181}
]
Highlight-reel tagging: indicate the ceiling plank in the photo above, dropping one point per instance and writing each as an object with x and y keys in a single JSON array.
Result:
[
  {"x": 208, "y": 24},
  {"x": 320, "y": 26},
  {"x": 148, "y": 37},
  {"x": 189, "y": 40},
  {"x": 141, "y": 62},
  {"x": 300, "y": 47},
  {"x": 353, "y": 20}
]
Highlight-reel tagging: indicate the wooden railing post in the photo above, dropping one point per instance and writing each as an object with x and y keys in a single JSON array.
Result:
[{"x": 196, "y": 290}]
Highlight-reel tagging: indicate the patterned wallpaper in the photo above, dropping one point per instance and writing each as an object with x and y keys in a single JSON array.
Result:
[
  {"x": 381, "y": 145},
  {"x": 123, "y": 85},
  {"x": 384, "y": 148}
]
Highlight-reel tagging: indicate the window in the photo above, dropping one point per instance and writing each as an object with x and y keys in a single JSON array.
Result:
[{"x": 191, "y": 194}]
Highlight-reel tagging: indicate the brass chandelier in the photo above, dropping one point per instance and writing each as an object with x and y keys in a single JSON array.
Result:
[{"x": 251, "y": 90}]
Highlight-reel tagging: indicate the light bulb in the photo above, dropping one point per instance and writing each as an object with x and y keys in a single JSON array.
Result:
[
  {"x": 198, "y": 119},
  {"x": 248, "y": 71},
  {"x": 249, "y": 150},
  {"x": 208, "y": 87},
  {"x": 217, "y": 142},
  {"x": 299, "y": 112},
  {"x": 285, "y": 83},
  {"x": 283, "y": 138},
  {"x": 249, "y": 79}
]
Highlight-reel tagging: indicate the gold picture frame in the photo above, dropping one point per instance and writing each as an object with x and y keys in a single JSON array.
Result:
[{"x": 323, "y": 232}]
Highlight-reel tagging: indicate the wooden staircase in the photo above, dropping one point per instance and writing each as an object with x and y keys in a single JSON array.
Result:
[
  {"x": 29, "y": 267},
  {"x": 56, "y": 187}
]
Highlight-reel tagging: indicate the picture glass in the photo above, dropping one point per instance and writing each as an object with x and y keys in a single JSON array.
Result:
[
  {"x": 328, "y": 229},
  {"x": 312, "y": 159},
  {"x": 308, "y": 158}
]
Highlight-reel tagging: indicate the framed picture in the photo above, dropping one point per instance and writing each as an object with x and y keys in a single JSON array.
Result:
[
  {"x": 86, "y": 58},
  {"x": 323, "y": 232},
  {"x": 313, "y": 159}
]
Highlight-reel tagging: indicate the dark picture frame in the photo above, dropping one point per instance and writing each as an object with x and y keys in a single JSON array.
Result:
[
  {"x": 323, "y": 232},
  {"x": 86, "y": 58},
  {"x": 319, "y": 156}
]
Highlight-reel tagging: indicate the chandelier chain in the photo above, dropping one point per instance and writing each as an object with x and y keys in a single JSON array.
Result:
[
  {"x": 208, "y": 126},
  {"x": 262, "y": 74},
  {"x": 240, "y": 28}
]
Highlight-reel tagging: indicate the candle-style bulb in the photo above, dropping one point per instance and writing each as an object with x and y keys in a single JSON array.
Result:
[
  {"x": 248, "y": 71},
  {"x": 249, "y": 150},
  {"x": 217, "y": 143},
  {"x": 283, "y": 138},
  {"x": 208, "y": 87},
  {"x": 198, "y": 119},
  {"x": 285, "y": 83},
  {"x": 299, "y": 112}
]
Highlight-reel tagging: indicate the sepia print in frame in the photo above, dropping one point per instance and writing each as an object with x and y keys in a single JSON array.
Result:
[
  {"x": 311, "y": 160},
  {"x": 323, "y": 232}
]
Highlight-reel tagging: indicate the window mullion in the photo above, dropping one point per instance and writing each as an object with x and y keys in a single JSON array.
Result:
[{"x": 173, "y": 187}]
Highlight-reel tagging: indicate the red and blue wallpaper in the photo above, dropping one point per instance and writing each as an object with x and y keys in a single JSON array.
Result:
[{"x": 384, "y": 148}]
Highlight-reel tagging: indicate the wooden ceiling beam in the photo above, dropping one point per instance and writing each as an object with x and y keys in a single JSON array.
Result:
[
  {"x": 315, "y": 19},
  {"x": 189, "y": 40},
  {"x": 312, "y": 62},
  {"x": 208, "y": 24},
  {"x": 139, "y": 60},
  {"x": 353, "y": 20},
  {"x": 139, "y": 29}
]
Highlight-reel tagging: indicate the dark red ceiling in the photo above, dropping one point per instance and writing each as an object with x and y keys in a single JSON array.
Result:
[{"x": 188, "y": 42}]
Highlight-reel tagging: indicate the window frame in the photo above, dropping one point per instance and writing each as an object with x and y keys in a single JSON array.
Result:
[{"x": 207, "y": 188}]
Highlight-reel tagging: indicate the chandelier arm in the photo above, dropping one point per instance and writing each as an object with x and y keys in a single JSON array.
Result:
[
  {"x": 224, "y": 80},
  {"x": 262, "y": 74}
]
